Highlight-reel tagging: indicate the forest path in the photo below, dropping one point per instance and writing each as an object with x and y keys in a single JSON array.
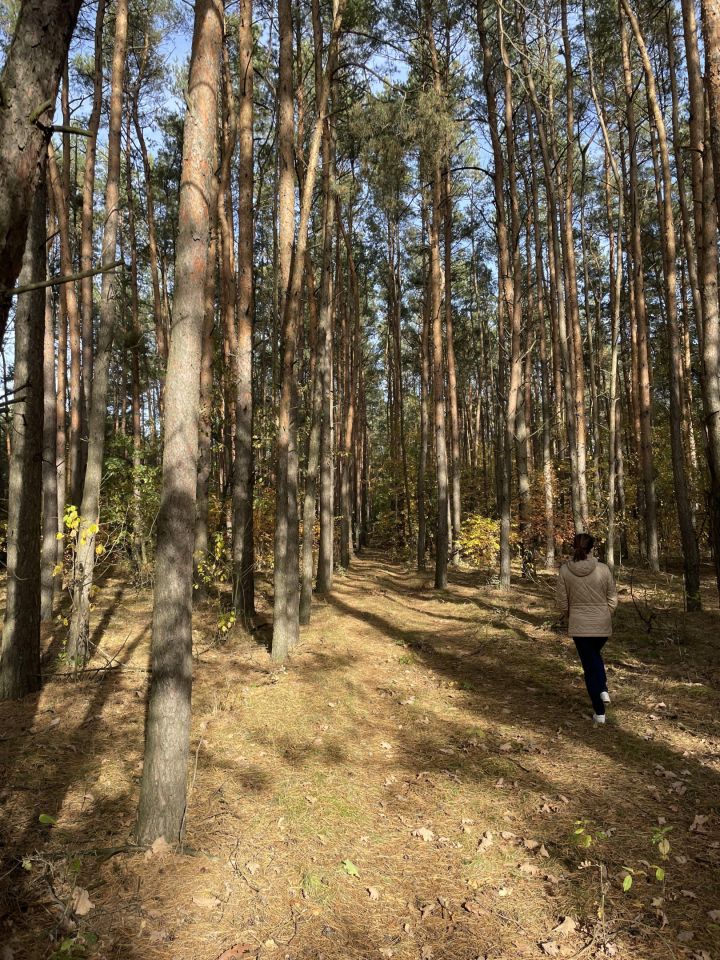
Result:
[{"x": 408, "y": 786}]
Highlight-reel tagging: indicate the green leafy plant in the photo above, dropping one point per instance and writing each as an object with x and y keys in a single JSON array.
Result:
[
  {"x": 75, "y": 948},
  {"x": 479, "y": 540},
  {"x": 581, "y": 834}
]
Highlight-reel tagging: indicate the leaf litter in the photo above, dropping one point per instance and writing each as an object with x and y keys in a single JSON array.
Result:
[{"x": 268, "y": 793}]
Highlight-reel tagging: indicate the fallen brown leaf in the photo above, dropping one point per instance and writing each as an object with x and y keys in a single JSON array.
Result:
[
  {"x": 424, "y": 833},
  {"x": 550, "y": 948},
  {"x": 158, "y": 848},
  {"x": 81, "y": 903},
  {"x": 565, "y": 927},
  {"x": 207, "y": 903},
  {"x": 241, "y": 951},
  {"x": 485, "y": 842}
]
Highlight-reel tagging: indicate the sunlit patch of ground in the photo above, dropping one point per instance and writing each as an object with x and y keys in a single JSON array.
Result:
[{"x": 422, "y": 781}]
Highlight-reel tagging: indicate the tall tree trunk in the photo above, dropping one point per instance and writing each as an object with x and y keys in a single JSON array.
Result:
[
  {"x": 61, "y": 472},
  {"x": 28, "y": 88},
  {"x": 709, "y": 285},
  {"x": 160, "y": 310},
  {"x": 691, "y": 557},
  {"x": 571, "y": 277},
  {"x": 204, "y": 458},
  {"x": 435, "y": 282},
  {"x": 50, "y": 543},
  {"x": 228, "y": 282},
  {"x": 561, "y": 355},
  {"x": 135, "y": 344},
  {"x": 286, "y": 600},
  {"x": 88, "y": 194},
  {"x": 162, "y": 807},
  {"x": 286, "y": 605},
  {"x": 313, "y": 458},
  {"x": 69, "y": 299},
  {"x": 327, "y": 487},
  {"x": 79, "y": 638},
  {"x": 643, "y": 360},
  {"x": 20, "y": 646},
  {"x": 615, "y": 274},
  {"x": 325, "y": 563},
  {"x": 455, "y": 501},
  {"x": 508, "y": 306},
  {"x": 615, "y": 271},
  {"x": 353, "y": 347},
  {"x": 243, "y": 552},
  {"x": 424, "y": 392},
  {"x": 513, "y": 307},
  {"x": 545, "y": 388}
]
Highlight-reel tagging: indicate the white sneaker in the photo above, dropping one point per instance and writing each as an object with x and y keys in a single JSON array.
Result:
[
  {"x": 598, "y": 718},
  {"x": 605, "y": 697}
]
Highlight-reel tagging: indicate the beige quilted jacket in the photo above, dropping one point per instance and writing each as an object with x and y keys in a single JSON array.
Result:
[{"x": 586, "y": 590}]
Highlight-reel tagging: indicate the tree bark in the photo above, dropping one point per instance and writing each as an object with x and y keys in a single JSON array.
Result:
[
  {"x": 79, "y": 637},
  {"x": 60, "y": 393},
  {"x": 313, "y": 457},
  {"x": 69, "y": 299},
  {"x": 353, "y": 347},
  {"x": 545, "y": 388},
  {"x": 162, "y": 808},
  {"x": 691, "y": 557},
  {"x": 286, "y": 600},
  {"x": 286, "y": 604},
  {"x": 135, "y": 344},
  {"x": 424, "y": 392},
  {"x": 243, "y": 553},
  {"x": 709, "y": 285},
  {"x": 50, "y": 543},
  {"x": 435, "y": 281},
  {"x": 28, "y": 88},
  {"x": 88, "y": 192},
  {"x": 325, "y": 565},
  {"x": 508, "y": 306},
  {"x": 204, "y": 459},
  {"x": 455, "y": 499},
  {"x": 20, "y": 646},
  {"x": 643, "y": 360},
  {"x": 571, "y": 278}
]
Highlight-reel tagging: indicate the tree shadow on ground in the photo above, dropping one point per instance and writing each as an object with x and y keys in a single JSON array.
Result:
[{"x": 67, "y": 762}]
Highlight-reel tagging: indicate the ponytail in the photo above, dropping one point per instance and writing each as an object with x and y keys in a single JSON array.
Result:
[{"x": 582, "y": 545}]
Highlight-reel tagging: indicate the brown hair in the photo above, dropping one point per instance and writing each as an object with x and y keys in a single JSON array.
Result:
[{"x": 582, "y": 545}]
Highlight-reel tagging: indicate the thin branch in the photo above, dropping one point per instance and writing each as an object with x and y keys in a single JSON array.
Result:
[
  {"x": 78, "y": 131},
  {"x": 56, "y": 281}
]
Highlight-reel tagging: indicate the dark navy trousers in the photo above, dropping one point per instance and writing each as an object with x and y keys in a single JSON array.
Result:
[{"x": 593, "y": 667}]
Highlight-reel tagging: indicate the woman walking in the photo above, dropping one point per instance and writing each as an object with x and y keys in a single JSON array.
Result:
[{"x": 586, "y": 593}]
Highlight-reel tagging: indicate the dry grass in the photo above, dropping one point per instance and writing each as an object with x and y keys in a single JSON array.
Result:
[{"x": 404, "y": 709}]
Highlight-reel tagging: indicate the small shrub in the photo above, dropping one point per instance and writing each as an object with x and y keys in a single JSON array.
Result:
[{"x": 479, "y": 540}]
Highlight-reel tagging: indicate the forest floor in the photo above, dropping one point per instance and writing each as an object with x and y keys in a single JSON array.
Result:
[{"x": 422, "y": 780}]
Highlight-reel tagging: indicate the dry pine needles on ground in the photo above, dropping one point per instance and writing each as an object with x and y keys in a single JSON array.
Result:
[{"x": 421, "y": 782}]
